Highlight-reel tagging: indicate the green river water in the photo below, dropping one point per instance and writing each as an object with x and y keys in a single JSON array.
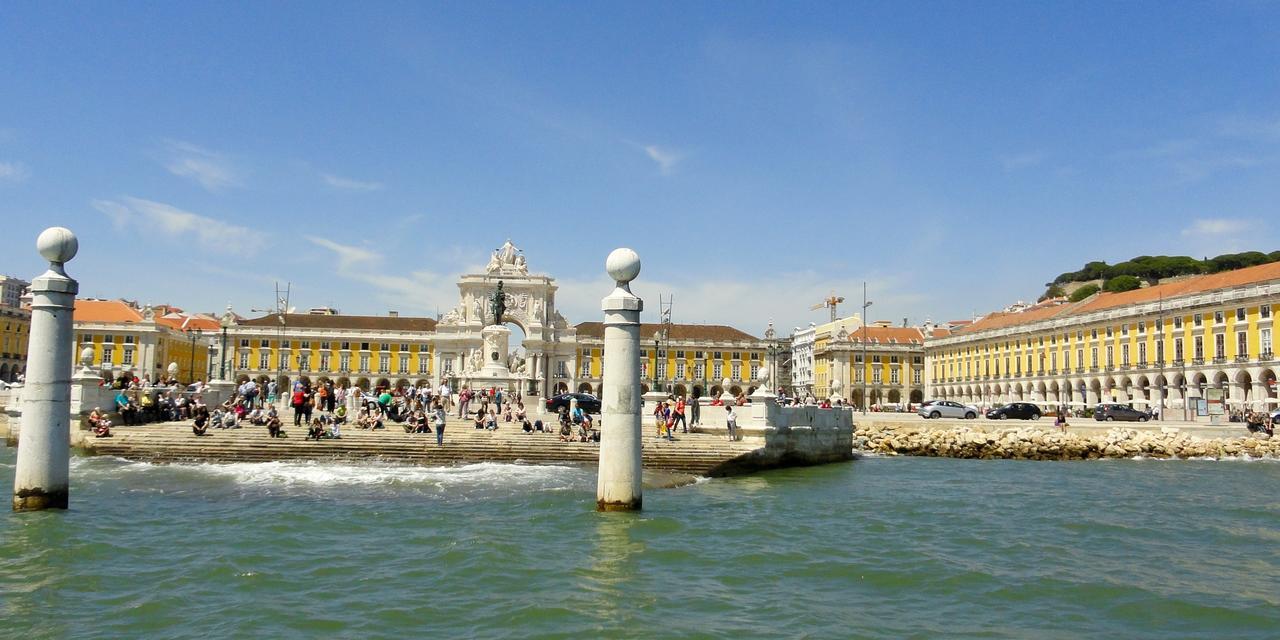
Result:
[{"x": 877, "y": 548}]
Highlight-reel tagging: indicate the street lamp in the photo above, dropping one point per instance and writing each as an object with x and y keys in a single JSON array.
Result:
[
  {"x": 191, "y": 364},
  {"x": 865, "y": 303},
  {"x": 224, "y": 321}
]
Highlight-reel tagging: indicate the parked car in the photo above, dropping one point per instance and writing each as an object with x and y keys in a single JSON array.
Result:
[
  {"x": 1019, "y": 410},
  {"x": 947, "y": 409},
  {"x": 1110, "y": 411},
  {"x": 586, "y": 402}
]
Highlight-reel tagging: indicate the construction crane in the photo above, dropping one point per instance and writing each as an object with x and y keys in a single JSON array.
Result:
[{"x": 830, "y": 302}]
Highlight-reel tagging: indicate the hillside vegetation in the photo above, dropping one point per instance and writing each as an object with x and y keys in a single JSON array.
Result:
[{"x": 1130, "y": 274}]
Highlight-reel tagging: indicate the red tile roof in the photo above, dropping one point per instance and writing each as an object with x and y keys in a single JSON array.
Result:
[{"x": 104, "y": 311}]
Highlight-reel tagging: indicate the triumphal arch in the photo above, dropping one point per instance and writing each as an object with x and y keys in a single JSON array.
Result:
[{"x": 466, "y": 342}]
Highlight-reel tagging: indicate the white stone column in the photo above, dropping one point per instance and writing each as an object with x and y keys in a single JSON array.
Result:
[
  {"x": 44, "y": 450},
  {"x": 619, "y": 486}
]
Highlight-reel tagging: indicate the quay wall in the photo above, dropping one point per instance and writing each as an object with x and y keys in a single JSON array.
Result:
[{"x": 1032, "y": 443}]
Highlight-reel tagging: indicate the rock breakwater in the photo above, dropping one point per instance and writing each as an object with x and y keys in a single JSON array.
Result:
[{"x": 1040, "y": 444}]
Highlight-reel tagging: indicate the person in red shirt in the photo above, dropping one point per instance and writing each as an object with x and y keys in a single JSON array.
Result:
[{"x": 679, "y": 416}]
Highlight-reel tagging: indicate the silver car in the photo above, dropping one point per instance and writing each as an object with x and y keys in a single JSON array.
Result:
[{"x": 948, "y": 409}]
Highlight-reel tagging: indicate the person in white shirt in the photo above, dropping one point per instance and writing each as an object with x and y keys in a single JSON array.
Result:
[{"x": 731, "y": 421}]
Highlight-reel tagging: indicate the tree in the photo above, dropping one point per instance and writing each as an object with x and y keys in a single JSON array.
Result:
[
  {"x": 1083, "y": 292},
  {"x": 1054, "y": 291},
  {"x": 1121, "y": 283}
]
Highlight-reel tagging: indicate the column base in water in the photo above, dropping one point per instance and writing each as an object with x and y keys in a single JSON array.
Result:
[
  {"x": 630, "y": 505},
  {"x": 38, "y": 499}
]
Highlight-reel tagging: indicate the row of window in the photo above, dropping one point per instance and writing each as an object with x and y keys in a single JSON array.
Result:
[
  {"x": 1197, "y": 320},
  {"x": 327, "y": 346},
  {"x": 303, "y": 362},
  {"x": 1198, "y": 354}
]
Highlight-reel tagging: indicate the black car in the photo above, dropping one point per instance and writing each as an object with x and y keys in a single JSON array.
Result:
[
  {"x": 586, "y": 402},
  {"x": 1019, "y": 410},
  {"x": 1110, "y": 412}
]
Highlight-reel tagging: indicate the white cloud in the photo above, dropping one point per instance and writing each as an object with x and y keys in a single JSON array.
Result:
[
  {"x": 348, "y": 255},
  {"x": 13, "y": 172},
  {"x": 209, "y": 169},
  {"x": 1217, "y": 227},
  {"x": 1021, "y": 160},
  {"x": 667, "y": 159},
  {"x": 347, "y": 184},
  {"x": 157, "y": 218}
]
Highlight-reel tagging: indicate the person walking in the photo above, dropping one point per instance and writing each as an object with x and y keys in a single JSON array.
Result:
[
  {"x": 438, "y": 418},
  {"x": 731, "y": 422},
  {"x": 695, "y": 411},
  {"x": 679, "y": 416}
]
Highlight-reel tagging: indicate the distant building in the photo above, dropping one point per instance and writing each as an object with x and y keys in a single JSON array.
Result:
[
  {"x": 11, "y": 290},
  {"x": 15, "y": 331},
  {"x": 1171, "y": 344},
  {"x": 143, "y": 341},
  {"x": 690, "y": 360},
  {"x": 879, "y": 364}
]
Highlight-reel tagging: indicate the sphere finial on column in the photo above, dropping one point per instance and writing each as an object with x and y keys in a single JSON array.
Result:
[
  {"x": 623, "y": 265},
  {"x": 57, "y": 244}
]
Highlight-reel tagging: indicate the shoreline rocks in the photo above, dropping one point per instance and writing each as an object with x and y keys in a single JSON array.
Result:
[{"x": 1039, "y": 444}]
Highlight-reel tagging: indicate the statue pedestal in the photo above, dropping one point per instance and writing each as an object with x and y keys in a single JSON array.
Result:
[{"x": 494, "y": 373}]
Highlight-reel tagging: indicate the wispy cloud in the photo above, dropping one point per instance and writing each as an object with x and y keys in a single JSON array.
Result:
[
  {"x": 157, "y": 218},
  {"x": 348, "y": 255},
  {"x": 1248, "y": 127},
  {"x": 1217, "y": 227},
  {"x": 13, "y": 172},
  {"x": 667, "y": 159},
  {"x": 347, "y": 184},
  {"x": 1021, "y": 160},
  {"x": 211, "y": 170}
]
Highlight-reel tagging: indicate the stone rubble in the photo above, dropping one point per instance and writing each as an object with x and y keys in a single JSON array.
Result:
[{"x": 1038, "y": 444}]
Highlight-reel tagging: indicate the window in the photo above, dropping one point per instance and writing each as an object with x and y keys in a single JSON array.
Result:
[
  {"x": 699, "y": 354},
  {"x": 385, "y": 346},
  {"x": 364, "y": 363},
  {"x": 1080, "y": 334},
  {"x": 1264, "y": 311},
  {"x": 1142, "y": 327},
  {"x": 1219, "y": 346},
  {"x": 755, "y": 355},
  {"x": 736, "y": 371},
  {"x": 1240, "y": 314},
  {"x": 344, "y": 363},
  {"x": 737, "y": 355},
  {"x": 127, "y": 358},
  {"x": 1177, "y": 322},
  {"x": 1264, "y": 341},
  {"x": 304, "y": 362},
  {"x": 1124, "y": 329},
  {"x": 404, "y": 346},
  {"x": 875, "y": 359},
  {"x": 1199, "y": 348},
  {"x": 716, "y": 356},
  {"x": 264, "y": 344},
  {"x": 1177, "y": 349},
  {"x": 716, "y": 370},
  {"x": 1198, "y": 320},
  {"x": 1124, "y": 355},
  {"x": 384, "y": 363},
  {"x": 404, "y": 363},
  {"x": 324, "y": 362},
  {"x": 1142, "y": 352},
  {"x": 1080, "y": 358},
  {"x": 680, "y": 355},
  {"x": 1219, "y": 317},
  {"x": 680, "y": 370},
  {"x": 875, "y": 375},
  {"x": 698, "y": 370},
  {"x": 1053, "y": 361},
  {"x": 106, "y": 353},
  {"x": 1160, "y": 351},
  {"x": 1094, "y": 333},
  {"x": 755, "y": 372},
  {"x": 244, "y": 360},
  {"x": 662, "y": 370},
  {"x": 264, "y": 361},
  {"x": 1242, "y": 344},
  {"x": 244, "y": 344},
  {"x": 346, "y": 346},
  {"x": 915, "y": 376},
  {"x": 286, "y": 344},
  {"x": 1110, "y": 331},
  {"x": 364, "y": 346},
  {"x": 324, "y": 345},
  {"x": 306, "y": 344},
  {"x": 893, "y": 376},
  {"x": 1094, "y": 356},
  {"x": 424, "y": 364}
]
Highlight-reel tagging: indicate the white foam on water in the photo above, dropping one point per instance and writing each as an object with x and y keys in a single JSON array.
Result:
[{"x": 323, "y": 474}]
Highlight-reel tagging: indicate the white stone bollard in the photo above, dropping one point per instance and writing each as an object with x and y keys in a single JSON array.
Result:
[
  {"x": 619, "y": 486},
  {"x": 44, "y": 451}
]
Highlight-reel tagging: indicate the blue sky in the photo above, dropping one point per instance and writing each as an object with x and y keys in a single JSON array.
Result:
[{"x": 956, "y": 156}]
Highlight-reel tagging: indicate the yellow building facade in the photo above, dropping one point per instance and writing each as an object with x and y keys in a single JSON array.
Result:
[
  {"x": 151, "y": 343},
  {"x": 869, "y": 366},
  {"x": 15, "y": 333},
  {"x": 1161, "y": 346},
  {"x": 689, "y": 360}
]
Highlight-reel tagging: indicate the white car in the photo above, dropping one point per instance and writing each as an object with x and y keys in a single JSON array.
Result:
[{"x": 948, "y": 409}]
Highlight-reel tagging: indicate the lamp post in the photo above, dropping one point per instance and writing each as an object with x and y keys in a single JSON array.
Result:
[
  {"x": 865, "y": 303},
  {"x": 191, "y": 362},
  {"x": 222, "y": 355}
]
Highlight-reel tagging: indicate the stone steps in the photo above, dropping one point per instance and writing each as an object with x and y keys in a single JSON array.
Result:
[{"x": 694, "y": 454}]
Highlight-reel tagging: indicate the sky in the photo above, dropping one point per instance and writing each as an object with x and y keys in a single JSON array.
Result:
[{"x": 758, "y": 156}]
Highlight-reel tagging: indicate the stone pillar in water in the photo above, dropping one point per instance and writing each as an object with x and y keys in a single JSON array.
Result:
[
  {"x": 619, "y": 487},
  {"x": 44, "y": 447}
]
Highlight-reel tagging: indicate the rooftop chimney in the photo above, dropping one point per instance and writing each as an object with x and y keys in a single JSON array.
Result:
[{"x": 393, "y": 314}]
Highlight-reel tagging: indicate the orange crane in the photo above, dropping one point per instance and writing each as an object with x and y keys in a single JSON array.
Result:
[{"x": 830, "y": 302}]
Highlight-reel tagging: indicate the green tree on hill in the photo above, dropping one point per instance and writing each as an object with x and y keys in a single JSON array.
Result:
[
  {"x": 1121, "y": 283},
  {"x": 1083, "y": 292}
]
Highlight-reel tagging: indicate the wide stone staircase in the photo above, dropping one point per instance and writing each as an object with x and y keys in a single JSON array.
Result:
[{"x": 695, "y": 454}]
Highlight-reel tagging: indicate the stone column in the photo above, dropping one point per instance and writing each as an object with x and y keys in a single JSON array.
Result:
[
  {"x": 619, "y": 485},
  {"x": 44, "y": 451}
]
